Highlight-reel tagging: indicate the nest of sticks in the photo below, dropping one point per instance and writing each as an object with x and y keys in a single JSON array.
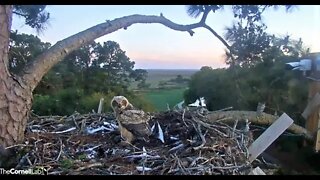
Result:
[{"x": 183, "y": 143}]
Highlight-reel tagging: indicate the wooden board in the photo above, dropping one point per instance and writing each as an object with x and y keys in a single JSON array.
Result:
[
  {"x": 257, "y": 171},
  {"x": 269, "y": 136},
  {"x": 313, "y": 103}
]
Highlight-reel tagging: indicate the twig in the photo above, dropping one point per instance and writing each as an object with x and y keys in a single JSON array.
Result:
[
  {"x": 203, "y": 139},
  {"x": 55, "y": 173},
  {"x": 184, "y": 111},
  {"x": 179, "y": 164},
  {"x": 60, "y": 141},
  {"x": 226, "y": 167},
  {"x": 196, "y": 159},
  {"x": 176, "y": 147},
  {"x": 98, "y": 164},
  {"x": 234, "y": 127},
  {"x": 23, "y": 145},
  {"x": 209, "y": 127},
  {"x": 75, "y": 123},
  {"x": 65, "y": 131},
  {"x": 22, "y": 161},
  {"x": 83, "y": 125},
  {"x": 95, "y": 147},
  {"x": 28, "y": 160}
]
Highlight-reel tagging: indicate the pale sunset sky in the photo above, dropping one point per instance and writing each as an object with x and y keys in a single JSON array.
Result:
[{"x": 154, "y": 46}]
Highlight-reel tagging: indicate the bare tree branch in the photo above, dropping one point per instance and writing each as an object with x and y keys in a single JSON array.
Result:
[
  {"x": 19, "y": 14},
  {"x": 35, "y": 70},
  {"x": 218, "y": 36},
  {"x": 204, "y": 16},
  {"x": 263, "y": 119},
  {"x": 264, "y": 8}
]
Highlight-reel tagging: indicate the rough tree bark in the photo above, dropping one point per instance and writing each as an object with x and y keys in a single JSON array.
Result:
[{"x": 15, "y": 98}]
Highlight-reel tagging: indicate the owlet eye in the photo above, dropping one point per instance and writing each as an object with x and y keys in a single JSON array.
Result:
[
  {"x": 114, "y": 103},
  {"x": 124, "y": 103}
]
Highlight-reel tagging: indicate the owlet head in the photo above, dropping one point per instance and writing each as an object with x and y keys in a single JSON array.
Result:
[{"x": 119, "y": 103}]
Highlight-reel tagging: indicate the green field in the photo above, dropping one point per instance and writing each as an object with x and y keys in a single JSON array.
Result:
[
  {"x": 160, "y": 98},
  {"x": 157, "y": 75}
]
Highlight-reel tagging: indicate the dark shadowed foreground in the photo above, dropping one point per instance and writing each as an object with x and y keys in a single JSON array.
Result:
[{"x": 183, "y": 143}]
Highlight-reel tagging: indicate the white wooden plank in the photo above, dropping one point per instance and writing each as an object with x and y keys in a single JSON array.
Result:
[
  {"x": 313, "y": 103},
  {"x": 257, "y": 171},
  {"x": 269, "y": 136}
]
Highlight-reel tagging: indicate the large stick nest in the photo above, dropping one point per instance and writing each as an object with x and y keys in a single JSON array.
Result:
[{"x": 184, "y": 143}]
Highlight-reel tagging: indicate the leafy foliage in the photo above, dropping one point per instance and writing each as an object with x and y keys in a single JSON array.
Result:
[
  {"x": 79, "y": 81},
  {"x": 143, "y": 85},
  {"x": 251, "y": 13},
  {"x": 247, "y": 34},
  {"x": 196, "y": 10},
  {"x": 248, "y": 42},
  {"x": 35, "y": 15},
  {"x": 24, "y": 48},
  {"x": 179, "y": 79},
  {"x": 267, "y": 81}
]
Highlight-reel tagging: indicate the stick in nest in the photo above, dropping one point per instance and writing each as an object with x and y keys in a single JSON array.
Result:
[
  {"x": 60, "y": 141},
  {"x": 234, "y": 127},
  {"x": 203, "y": 139},
  {"x": 98, "y": 164},
  {"x": 183, "y": 113}
]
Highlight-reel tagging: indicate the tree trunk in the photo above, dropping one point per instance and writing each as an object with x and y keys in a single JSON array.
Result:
[
  {"x": 15, "y": 101},
  {"x": 312, "y": 121},
  {"x": 15, "y": 105}
]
